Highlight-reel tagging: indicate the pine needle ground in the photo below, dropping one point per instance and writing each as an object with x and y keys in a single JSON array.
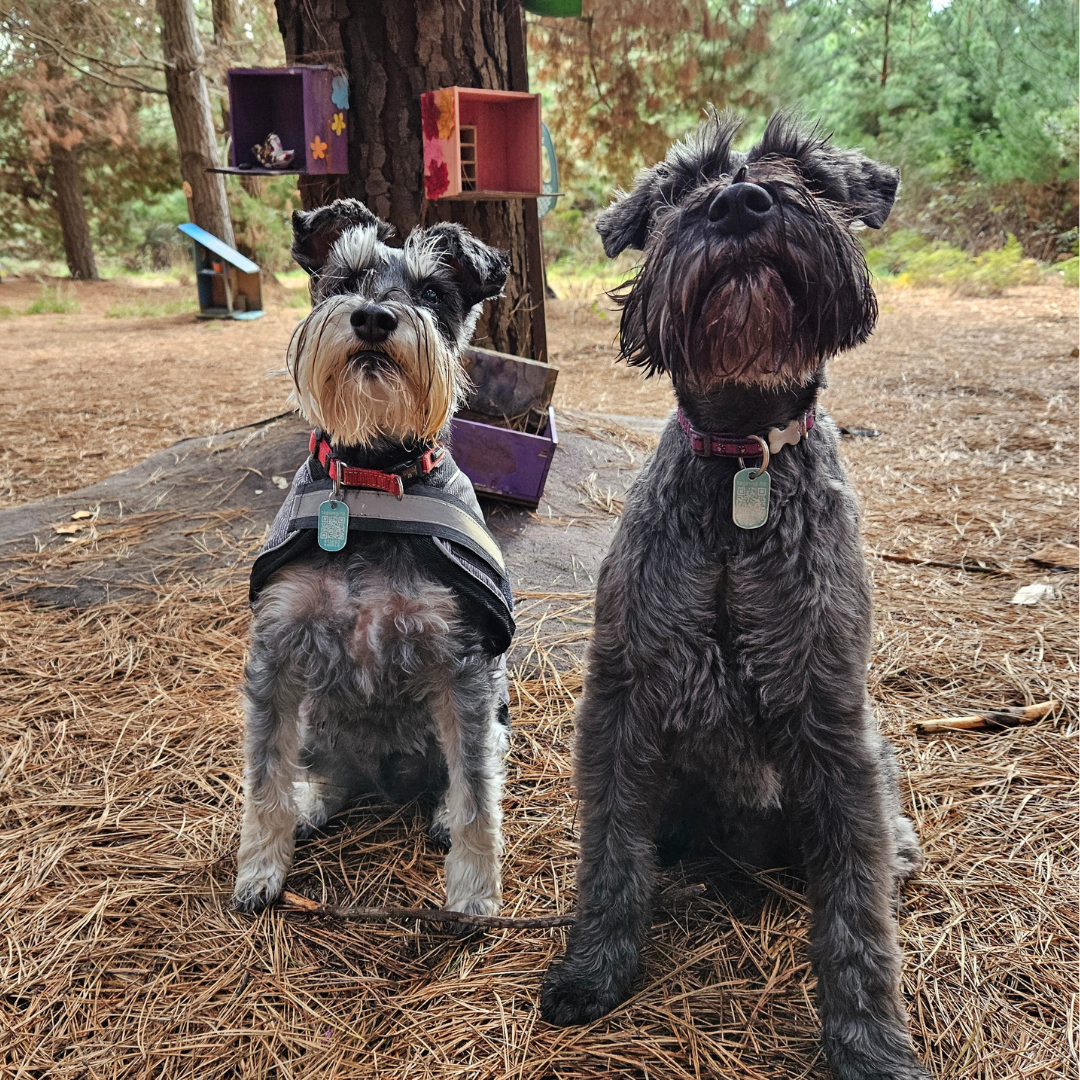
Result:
[{"x": 119, "y": 796}]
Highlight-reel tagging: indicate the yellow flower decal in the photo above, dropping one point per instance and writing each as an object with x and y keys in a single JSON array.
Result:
[
  {"x": 444, "y": 101},
  {"x": 318, "y": 149},
  {"x": 338, "y": 123}
]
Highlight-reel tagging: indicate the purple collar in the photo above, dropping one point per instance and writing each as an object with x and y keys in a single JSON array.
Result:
[{"x": 727, "y": 444}]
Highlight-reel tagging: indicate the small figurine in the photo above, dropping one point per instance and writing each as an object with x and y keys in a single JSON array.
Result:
[{"x": 271, "y": 154}]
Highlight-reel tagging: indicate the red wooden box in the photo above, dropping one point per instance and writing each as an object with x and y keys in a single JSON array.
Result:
[
  {"x": 296, "y": 103},
  {"x": 481, "y": 144}
]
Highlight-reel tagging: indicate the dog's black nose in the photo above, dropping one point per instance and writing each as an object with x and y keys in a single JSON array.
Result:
[
  {"x": 740, "y": 209},
  {"x": 373, "y": 322}
]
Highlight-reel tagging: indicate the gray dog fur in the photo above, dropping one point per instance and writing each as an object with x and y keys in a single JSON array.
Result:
[
  {"x": 364, "y": 676},
  {"x": 725, "y": 700}
]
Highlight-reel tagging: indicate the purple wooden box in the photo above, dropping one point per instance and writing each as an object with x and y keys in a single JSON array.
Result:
[
  {"x": 296, "y": 103},
  {"x": 502, "y": 461},
  {"x": 504, "y": 464}
]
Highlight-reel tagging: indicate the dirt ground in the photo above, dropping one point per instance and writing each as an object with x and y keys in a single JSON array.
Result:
[{"x": 119, "y": 732}]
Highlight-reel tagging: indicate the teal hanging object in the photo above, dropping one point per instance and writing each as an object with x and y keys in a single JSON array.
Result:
[
  {"x": 339, "y": 91},
  {"x": 546, "y": 203},
  {"x": 566, "y": 9}
]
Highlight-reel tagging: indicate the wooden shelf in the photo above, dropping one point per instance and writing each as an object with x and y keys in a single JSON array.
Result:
[
  {"x": 495, "y": 196},
  {"x": 263, "y": 172}
]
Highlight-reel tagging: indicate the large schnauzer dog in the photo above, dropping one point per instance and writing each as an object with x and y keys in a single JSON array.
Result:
[
  {"x": 725, "y": 698},
  {"x": 376, "y": 662}
]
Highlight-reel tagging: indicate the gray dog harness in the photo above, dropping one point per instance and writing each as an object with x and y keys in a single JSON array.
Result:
[{"x": 438, "y": 507}]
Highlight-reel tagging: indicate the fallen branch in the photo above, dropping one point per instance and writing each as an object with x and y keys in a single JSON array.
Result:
[
  {"x": 915, "y": 560},
  {"x": 295, "y": 902},
  {"x": 992, "y": 718}
]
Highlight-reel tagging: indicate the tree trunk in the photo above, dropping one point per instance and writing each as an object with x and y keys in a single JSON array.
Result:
[
  {"x": 189, "y": 103},
  {"x": 226, "y": 14},
  {"x": 70, "y": 209},
  {"x": 392, "y": 53},
  {"x": 67, "y": 185}
]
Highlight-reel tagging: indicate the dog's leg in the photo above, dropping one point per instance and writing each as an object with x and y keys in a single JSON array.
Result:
[
  {"x": 909, "y": 854},
  {"x": 472, "y": 741},
  {"x": 620, "y": 790},
  {"x": 847, "y": 827},
  {"x": 271, "y": 741}
]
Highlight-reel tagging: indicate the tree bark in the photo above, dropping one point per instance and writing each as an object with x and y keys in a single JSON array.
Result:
[
  {"x": 189, "y": 103},
  {"x": 392, "y": 53},
  {"x": 70, "y": 208},
  {"x": 226, "y": 14}
]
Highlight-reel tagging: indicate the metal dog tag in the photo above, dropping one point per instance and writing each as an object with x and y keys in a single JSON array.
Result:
[
  {"x": 750, "y": 499},
  {"x": 333, "y": 525}
]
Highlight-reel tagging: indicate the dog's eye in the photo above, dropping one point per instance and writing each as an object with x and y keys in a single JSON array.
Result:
[{"x": 429, "y": 296}]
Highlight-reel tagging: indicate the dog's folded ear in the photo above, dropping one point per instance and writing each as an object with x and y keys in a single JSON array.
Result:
[
  {"x": 866, "y": 188},
  {"x": 479, "y": 269},
  {"x": 705, "y": 153},
  {"x": 872, "y": 186},
  {"x": 625, "y": 223},
  {"x": 316, "y": 231}
]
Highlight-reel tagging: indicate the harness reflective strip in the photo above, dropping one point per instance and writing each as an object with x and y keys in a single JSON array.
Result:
[{"x": 408, "y": 510}]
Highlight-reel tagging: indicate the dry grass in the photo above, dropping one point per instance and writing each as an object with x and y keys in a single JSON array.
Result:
[{"x": 119, "y": 785}]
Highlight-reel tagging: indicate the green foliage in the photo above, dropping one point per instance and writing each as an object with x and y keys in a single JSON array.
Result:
[
  {"x": 570, "y": 237},
  {"x": 99, "y": 66},
  {"x": 297, "y": 298},
  {"x": 1070, "y": 270},
  {"x": 632, "y": 75},
  {"x": 909, "y": 260},
  {"x": 149, "y": 308},
  {"x": 262, "y": 222},
  {"x": 974, "y": 99},
  {"x": 54, "y": 300}
]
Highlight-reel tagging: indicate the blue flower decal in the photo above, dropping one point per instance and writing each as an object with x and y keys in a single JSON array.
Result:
[{"x": 339, "y": 95}]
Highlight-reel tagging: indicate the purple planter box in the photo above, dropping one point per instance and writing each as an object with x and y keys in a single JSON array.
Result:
[
  {"x": 296, "y": 104},
  {"x": 502, "y": 463}
]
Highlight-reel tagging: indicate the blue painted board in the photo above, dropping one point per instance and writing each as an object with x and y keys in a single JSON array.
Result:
[{"x": 219, "y": 247}]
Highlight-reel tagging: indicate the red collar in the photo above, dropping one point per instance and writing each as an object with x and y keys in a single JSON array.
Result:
[
  {"x": 392, "y": 482},
  {"x": 726, "y": 444}
]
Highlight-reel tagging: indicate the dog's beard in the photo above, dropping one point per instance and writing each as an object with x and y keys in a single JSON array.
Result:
[
  {"x": 402, "y": 389},
  {"x": 765, "y": 311}
]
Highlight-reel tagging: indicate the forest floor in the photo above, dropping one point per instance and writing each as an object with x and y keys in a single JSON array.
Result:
[{"x": 119, "y": 744}]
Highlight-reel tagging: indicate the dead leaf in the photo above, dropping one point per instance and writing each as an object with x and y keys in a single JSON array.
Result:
[{"x": 1055, "y": 554}]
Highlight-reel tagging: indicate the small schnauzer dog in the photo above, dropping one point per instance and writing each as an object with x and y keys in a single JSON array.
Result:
[
  {"x": 376, "y": 665},
  {"x": 725, "y": 700}
]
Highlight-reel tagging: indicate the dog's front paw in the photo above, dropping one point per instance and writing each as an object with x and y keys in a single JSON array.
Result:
[
  {"x": 884, "y": 1054},
  {"x": 257, "y": 887},
  {"x": 475, "y": 905},
  {"x": 909, "y": 853},
  {"x": 572, "y": 997},
  {"x": 473, "y": 883},
  {"x": 907, "y": 1069}
]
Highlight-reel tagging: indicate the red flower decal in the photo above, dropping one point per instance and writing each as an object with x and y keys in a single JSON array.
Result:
[
  {"x": 429, "y": 114},
  {"x": 436, "y": 179}
]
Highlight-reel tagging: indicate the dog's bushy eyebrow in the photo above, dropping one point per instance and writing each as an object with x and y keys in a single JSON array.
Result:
[
  {"x": 787, "y": 137},
  {"x": 705, "y": 154}
]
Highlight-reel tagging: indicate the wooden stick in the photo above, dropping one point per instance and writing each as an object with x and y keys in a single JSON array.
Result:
[
  {"x": 914, "y": 560},
  {"x": 295, "y": 902},
  {"x": 992, "y": 718}
]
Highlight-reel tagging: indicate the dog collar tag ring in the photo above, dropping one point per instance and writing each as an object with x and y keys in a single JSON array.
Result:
[
  {"x": 333, "y": 524},
  {"x": 750, "y": 493}
]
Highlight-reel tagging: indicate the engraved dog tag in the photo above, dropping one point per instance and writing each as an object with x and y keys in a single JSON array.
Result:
[
  {"x": 333, "y": 525},
  {"x": 750, "y": 499}
]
